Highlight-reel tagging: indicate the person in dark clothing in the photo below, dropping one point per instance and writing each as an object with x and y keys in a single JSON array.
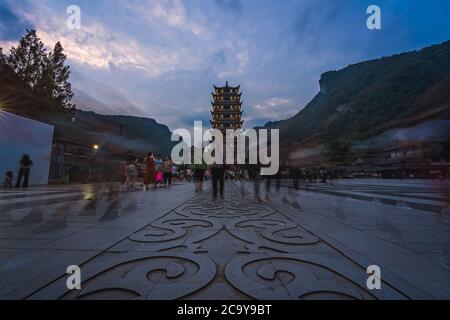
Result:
[
  {"x": 268, "y": 187},
  {"x": 24, "y": 172},
  {"x": 255, "y": 174},
  {"x": 218, "y": 175},
  {"x": 8, "y": 180},
  {"x": 323, "y": 175},
  {"x": 295, "y": 175},
  {"x": 199, "y": 176}
]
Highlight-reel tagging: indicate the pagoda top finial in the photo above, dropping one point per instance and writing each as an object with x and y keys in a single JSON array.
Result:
[{"x": 227, "y": 87}]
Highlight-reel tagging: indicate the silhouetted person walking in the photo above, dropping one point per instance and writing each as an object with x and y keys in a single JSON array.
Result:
[
  {"x": 24, "y": 172},
  {"x": 218, "y": 175},
  {"x": 199, "y": 176},
  {"x": 323, "y": 175},
  {"x": 255, "y": 174}
]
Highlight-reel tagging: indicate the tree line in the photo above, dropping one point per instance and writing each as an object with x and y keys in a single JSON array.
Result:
[{"x": 45, "y": 73}]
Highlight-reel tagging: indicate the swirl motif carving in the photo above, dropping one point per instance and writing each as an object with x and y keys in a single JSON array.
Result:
[
  {"x": 225, "y": 209},
  {"x": 289, "y": 277},
  {"x": 147, "y": 276},
  {"x": 169, "y": 230},
  {"x": 275, "y": 231}
]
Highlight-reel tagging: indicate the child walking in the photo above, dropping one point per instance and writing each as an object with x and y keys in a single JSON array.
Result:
[{"x": 8, "y": 184}]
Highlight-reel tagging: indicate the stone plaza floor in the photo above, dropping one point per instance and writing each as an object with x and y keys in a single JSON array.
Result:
[{"x": 311, "y": 243}]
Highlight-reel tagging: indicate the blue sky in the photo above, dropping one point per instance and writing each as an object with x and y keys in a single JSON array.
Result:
[{"x": 160, "y": 58}]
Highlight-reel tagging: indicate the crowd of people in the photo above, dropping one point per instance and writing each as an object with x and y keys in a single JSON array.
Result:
[{"x": 155, "y": 172}]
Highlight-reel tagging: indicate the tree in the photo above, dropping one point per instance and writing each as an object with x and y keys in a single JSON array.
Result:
[
  {"x": 60, "y": 73},
  {"x": 2, "y": 57},
  {"x": 45, "y": 84},
  {"x": 54, "y": 81},
  {"x": 28, "y": 58},
  {"x": 45, "y": 73}
]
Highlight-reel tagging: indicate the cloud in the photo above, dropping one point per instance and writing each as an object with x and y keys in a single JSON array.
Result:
[
  {"x": 94, "y": 47},
  {"x": 273, "y": 102},
  {"x": 272, "y": 109},
  {"x": 171, "y": 13},
  {"x": 96, "y": 44},
  {"x": 165, "y": 55}
]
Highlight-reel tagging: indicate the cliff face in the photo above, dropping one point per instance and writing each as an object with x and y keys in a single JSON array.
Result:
[{"x": 366, "y": 99}]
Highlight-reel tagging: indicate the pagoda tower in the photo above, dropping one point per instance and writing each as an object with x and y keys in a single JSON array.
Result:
[{"x": 227, "y": 108}]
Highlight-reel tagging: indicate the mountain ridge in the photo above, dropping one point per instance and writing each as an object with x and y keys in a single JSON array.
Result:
[{"x": 365, "y": 99}]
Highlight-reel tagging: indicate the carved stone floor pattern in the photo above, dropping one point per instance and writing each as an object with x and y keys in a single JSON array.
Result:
[{"x": 227, "y": 249}]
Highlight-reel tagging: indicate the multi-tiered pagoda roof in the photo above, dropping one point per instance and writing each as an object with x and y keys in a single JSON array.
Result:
[{"x": 227, "y": 108}]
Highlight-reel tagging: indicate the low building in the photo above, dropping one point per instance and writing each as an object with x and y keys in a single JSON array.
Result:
[
  {"x": 70, "y": 161},
  {"x": 424, "y": 159},
  {"x": 76, "y": 162},
  {"x": 20, "y": 136}
]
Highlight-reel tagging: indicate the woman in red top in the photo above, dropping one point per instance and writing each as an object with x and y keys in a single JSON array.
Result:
[{"x": 150, "y": 172}]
